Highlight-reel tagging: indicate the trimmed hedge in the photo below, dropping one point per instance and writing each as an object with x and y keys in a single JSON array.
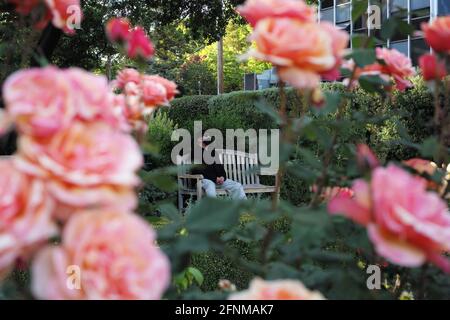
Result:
[{"x": 184, "y": 111}]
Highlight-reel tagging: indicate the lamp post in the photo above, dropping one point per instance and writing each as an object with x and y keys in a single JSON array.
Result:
[{"x": 220, "y": 61}]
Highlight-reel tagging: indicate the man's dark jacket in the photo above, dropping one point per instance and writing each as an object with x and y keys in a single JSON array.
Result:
[{"x": 210, "y": 172}]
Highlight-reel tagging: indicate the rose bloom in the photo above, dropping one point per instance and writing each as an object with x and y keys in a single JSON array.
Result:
[
  {"x": 25, "y": 215},
  {"x": 329, "y": 193},
  {"x": 432, "y": 68},
  {"x": 255, "y": 10},
  {"x": 437, "y": 34},
  {"x": 397, "y": 65},
  {"x": 126, "y": 76},
  {"x": 139, "y": 44},
  {"x": 5, "y": 122},
  {"x": 300, "y": 51},
  {"x": 170, "y": 86},
  {"x": 45, "y": 101},
  {"x": 118, "y": 102},
  {"x": 407, "y": 224},
  {"x": 84, "y": 166},
  {"x": 118, "y": 29},
  {"x": 116, "y": 254},
  {"x": 92, "y": 94},
  {"x": 366, "y": 158},
  {"x": 277, "y": 290},
  {"x": 422, "y": 166},
  {"x": 40, "y": 101},
  {"x": 154, "y": 93},
  {"x": 62, "y": 12},
  {"x": 339, "y": 42}
]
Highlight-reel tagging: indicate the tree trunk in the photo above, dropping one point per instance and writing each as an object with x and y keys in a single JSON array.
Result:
[{"x": 220, "y": 77}]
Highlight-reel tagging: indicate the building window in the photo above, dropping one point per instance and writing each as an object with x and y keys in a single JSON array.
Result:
[
  {"x": 343, "y": 12},
  {"x": 401, "y": 46},
  {"x": 418, "y": 48},
  {"x": 326, "y": 4},
  {"x": 443, "y": 7},
  {"x": 327, "y": 15},
  {"x": 399, "y": 8}
]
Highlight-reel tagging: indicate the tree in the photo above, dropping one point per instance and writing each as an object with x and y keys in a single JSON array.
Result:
[
  {"x": 196, "y": 78},
  {"x": 235, "y": 45}
]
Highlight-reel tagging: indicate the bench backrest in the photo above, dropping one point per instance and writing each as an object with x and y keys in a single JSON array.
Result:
[{"x": 239, "y": 166}]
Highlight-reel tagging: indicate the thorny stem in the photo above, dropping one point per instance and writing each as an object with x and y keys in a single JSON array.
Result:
[
  {"x": 285, "y": 136},
  {"x": 328, "y": 157}
]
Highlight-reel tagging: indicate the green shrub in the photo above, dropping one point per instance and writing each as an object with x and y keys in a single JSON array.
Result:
[
  {"x": 184, "y": 111},
  {"x": 159, "y": 135}
]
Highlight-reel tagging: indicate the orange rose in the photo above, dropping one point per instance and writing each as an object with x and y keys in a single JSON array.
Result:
[
  {"x": 301, "y": 51},
  {"x": 255, "y": 10}
]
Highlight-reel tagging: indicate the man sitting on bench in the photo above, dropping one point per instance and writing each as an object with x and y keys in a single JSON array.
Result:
[{"x": 214, "y": 175}]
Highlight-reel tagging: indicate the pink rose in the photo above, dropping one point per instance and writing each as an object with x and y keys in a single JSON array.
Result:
[
  {"x": 91, "y": 97},
  {"x": 5, "y": 122},
  {"x": 407, "y": 224},
  {"x": 62, "y": 12},
  {"x": 116, "y": 256},
  {"x": 397, "y": 65},
  {"x": 87, "y": 165},
  {"x": 139, "y": 44},
  {"x": 170, "y": 86},
  {"x": 46, "y": 101},
  {"x": 126, "y": 76},
  {"x": 255, "y": 10},
  {"x": 300, "y": 51},
  {"x": 437, "y": 34},
  {"x": 118, "y": 29},
  {"x": 118, "y": 102},
  {"x": 40, "y": 101},
  {"x": 277, "y": 290},
  {"x": 339, "y": 42},
  {"x": 366, "y": 158},
  {"x": 25, "y": 215},
  {"x": 154, "y": 93}
]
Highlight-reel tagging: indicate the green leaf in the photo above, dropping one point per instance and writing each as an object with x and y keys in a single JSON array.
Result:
[
  {"x": 198, "y": 276},
  {"x": 265, "y": 108},
  {"x": 395, "y": 25},
  {"x": 429, "y": 147},
  {"x": 211, "y": 215},
  {"x": 332, "y": 101},
  {"x": 373, "y": 83},
  {"x": 359, "y": 8},
  {"x": 388, "y": 28},
  {"x": 363, "y": 57}
]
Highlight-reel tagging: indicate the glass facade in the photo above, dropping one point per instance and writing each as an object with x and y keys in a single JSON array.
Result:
[{"x": 415, "y": 12}]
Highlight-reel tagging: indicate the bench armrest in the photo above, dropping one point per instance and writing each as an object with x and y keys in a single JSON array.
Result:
[{"x": 191, "y": 176}]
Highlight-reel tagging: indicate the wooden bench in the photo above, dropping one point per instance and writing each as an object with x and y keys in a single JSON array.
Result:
[{"x": 239, "y": 166}]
